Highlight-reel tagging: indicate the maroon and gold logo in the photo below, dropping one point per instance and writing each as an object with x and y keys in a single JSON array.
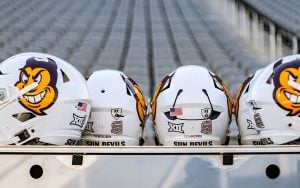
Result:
[
  {"x": 287, "y": 86},
  {"x": 43, "y": 72},
  {"x": 163, "y": 85},
  {"x": 141, "y": 105},
  {"x": 219, "y": 84},
  {"x": 239, "y": 94}
]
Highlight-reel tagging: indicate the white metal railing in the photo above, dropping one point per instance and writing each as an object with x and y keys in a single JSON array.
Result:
[
  {"x": 149, "y": 166},
  {"x": 150, "y": 150}
]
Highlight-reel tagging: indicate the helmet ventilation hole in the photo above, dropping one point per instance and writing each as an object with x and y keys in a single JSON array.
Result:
[
  {"x": 24, "y": 116},
  {"x": 64, "y": 75},
  {"x": 128, "y": 92},
  {"x": 102, "y": 90},
  {"x": 269, "y": 81}
]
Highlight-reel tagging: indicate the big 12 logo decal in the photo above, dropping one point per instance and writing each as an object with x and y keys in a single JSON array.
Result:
[
  {"x": 287, "y": 86},
  {"x": 44, "y": 73}
]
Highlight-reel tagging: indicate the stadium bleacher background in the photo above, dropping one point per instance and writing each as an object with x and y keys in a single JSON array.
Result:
[{"x": 148, "y": 39}]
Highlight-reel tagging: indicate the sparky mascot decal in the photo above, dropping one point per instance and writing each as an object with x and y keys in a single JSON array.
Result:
[
  {"x": 287, "y": 86},
  {"x": 43, "y": 72}
]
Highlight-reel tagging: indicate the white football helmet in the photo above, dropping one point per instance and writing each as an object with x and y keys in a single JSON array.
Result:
[
  {"x": 43, "y": 100},
  {"x": 118, "y": 110},
  {"x": 191, "y": 107},
  {"x": 267, "y": 106}
]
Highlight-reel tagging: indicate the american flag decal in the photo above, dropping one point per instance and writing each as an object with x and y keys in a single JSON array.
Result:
[
  {"x": 175, "y": 111},
  {"x": 81, "y": 106}
]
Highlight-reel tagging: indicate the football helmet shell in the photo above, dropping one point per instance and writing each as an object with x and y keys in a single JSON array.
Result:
[
  {"x": 118, "y": 110},
  {"x": 43, "y": 100},
  {"x": 268, "y": 104},
  {"x": 191, "y": 107}
]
